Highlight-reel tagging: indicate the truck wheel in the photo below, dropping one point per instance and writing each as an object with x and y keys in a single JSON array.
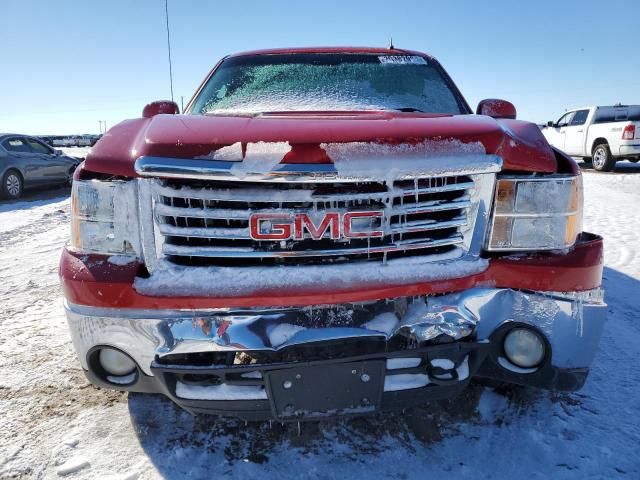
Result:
[
  {"x": 12, "y": 185},
  {"x": 603, "y": 161}
]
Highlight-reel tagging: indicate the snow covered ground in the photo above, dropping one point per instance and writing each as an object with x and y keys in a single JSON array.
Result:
[
  {"x": 78, "y": 152},
  {"x": 54, "y": 423}
]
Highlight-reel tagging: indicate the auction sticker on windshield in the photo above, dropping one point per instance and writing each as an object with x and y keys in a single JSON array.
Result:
[{"x": 403, "y": 59}]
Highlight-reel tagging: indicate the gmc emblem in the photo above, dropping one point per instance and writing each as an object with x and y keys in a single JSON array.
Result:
[{"x": 283, "y": 226}]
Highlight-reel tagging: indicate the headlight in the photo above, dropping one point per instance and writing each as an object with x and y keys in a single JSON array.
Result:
[
  {"x": 524, "y": 347},
  {"x": 105, "y": 217},
  {"x": 536, "y": 214},
  {"x": 115, "y": 362}
]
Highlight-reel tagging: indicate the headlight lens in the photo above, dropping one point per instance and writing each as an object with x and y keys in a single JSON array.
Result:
[
  {"x": 524, "y": 348},
  {"x": 105, "y": 218},
  {"x": 115, "y": 362},
  {"x": 536, "y": 214}
]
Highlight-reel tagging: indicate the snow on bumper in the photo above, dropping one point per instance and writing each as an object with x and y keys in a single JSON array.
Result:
[{"x": 571, "y": 323}]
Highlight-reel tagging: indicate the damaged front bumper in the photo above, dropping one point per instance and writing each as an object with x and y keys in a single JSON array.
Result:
[{"x": 266, "y": 363}]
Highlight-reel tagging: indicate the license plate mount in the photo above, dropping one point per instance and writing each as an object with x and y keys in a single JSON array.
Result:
[{"x": 327, "y": 390}]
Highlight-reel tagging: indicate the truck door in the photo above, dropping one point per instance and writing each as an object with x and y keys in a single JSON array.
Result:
[
  {"x": 556, "y": 133},
  {"x": 574, "y": 134}
]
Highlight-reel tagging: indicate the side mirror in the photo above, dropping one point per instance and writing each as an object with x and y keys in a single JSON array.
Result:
[
  {"x": 550, "y": 124},
  {"x": 57, "y": 152},
  {"x": 160, "y": 106},
  {"x": 496, "y": 108}
]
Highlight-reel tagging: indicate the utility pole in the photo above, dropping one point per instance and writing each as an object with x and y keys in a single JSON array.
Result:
[{"x": 166, "y": 13}]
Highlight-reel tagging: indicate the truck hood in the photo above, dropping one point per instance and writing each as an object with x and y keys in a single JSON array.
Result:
[{"x": 521, "y": 145}]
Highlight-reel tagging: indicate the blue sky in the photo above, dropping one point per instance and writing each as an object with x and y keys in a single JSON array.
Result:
[{"x": 70, "y": 63}]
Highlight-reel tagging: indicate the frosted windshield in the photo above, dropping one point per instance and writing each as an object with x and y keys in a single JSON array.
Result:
[{"x": 326, "y": 82}]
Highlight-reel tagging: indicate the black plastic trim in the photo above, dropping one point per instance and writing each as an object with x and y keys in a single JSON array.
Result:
[{"x": 483, "y": 363}]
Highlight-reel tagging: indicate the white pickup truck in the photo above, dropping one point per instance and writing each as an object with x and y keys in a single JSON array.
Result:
[{"x": 601, "y": 135}]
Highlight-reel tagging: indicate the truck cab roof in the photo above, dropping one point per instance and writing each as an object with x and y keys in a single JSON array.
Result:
[{"x": 356, "y": 50}]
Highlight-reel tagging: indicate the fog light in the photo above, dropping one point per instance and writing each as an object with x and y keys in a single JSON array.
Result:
[
  {"x": 115, "y": 362},
  {"x": 524, "y": 347}
]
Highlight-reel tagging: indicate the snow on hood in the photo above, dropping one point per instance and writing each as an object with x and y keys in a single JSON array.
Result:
[
  {"x": 520, "y": 144},
  {"x": 364, "y": 159},
  {"x": 371, "y": 160}
]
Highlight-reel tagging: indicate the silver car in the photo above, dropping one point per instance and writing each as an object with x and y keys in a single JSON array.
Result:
[{"x": 27, "y": 162}]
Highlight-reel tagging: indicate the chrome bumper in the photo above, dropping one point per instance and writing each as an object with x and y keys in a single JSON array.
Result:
[
  {"x": 572, "y": 323},
  {"x": 630, "y": 149}
]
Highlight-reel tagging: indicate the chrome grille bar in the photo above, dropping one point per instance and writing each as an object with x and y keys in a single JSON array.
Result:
[
  {"x": 200, "y": 169},
  {"x": 234, "y": 214},
  {"x": 243, "y": 233},
  {"x": 296, "y": 196},
  {"x": 209, "y": 219},
  {"x": 240, "y": 252}
]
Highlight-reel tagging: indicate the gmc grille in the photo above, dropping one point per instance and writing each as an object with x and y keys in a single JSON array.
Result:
[{"x": 206, "y": 222}]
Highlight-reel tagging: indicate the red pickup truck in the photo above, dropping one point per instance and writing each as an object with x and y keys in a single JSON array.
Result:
[{"x": 329, "y": 231}]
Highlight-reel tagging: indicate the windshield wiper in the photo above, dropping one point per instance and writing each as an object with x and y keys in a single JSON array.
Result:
[{"x": 408, "y": 109}]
